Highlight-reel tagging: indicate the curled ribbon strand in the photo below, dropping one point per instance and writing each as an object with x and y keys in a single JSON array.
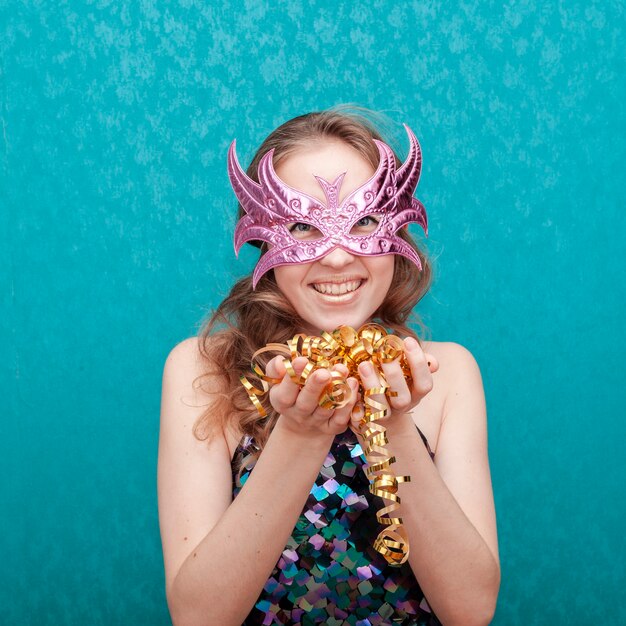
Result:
[{"x": 350, "y": 347}]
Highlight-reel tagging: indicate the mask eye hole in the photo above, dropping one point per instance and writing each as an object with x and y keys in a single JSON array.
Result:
[
  {"x": 365, "y": 225},
  {"x": 303, "y": 231}
]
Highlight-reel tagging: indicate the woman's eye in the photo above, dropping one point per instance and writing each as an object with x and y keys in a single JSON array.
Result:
[
  {"x": 299, "y": 227},
  {"x": 301, "y": 230},
  {"x": 365, "y": 225}
]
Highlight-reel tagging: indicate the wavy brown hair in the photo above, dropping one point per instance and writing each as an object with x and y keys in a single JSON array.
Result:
[{"x": 248, "y": 319}]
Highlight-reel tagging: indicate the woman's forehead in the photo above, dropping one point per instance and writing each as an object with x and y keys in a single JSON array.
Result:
[{"x": 326, "y": 159}]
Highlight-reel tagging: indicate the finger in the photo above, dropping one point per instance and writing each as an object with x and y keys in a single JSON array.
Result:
[
  {"x": 275, "y": 368},
  {"x": 368, "y": 374},
  {"x": 284, "y": 394},
  {"x": 401, "y": 396},
  {"x": 309, "y": 396},
  {"x": 420, "y": 370},
  {"x": 342, "y": 416},
  {"x": 370, "y": 380},
  {"x": 356, "y": 415},
  {"x": 341, "y": 368}
]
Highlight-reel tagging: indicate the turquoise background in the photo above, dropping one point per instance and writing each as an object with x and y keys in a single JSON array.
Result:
[{"x": 116, "y": 227}]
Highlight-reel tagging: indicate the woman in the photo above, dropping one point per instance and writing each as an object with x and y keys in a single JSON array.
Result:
[{"x": 294, "y": 543}]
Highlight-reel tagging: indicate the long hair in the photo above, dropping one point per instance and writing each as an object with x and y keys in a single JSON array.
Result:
[{"x": 248, "y": 319}]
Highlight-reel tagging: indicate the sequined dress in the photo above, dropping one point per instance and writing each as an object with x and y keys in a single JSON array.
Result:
[{"x": 329, "y": 573}]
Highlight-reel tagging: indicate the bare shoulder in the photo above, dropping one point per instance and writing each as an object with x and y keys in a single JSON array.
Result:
[
  {"x": 185, "y": 360},
  {"x": 186, "y": 348},
  {"x": 189, "y": 385},
  {"x": 449, "y": 351},
  {"x": 460, "y": 392},
  {"x": 186, "y": 388},
  {"x": 456, "y": 367},
  {"x": 456, "y": 364}
]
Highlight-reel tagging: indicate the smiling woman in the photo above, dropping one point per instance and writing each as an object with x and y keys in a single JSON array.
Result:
[
  {"x": 320, "y": 291},
  {"x": 271, "y": 519}
]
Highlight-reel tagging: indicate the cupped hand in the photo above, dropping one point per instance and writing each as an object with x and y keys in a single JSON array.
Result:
[
  {"x": 299, "y": 408},
  {"x": 405, "y": 398}
]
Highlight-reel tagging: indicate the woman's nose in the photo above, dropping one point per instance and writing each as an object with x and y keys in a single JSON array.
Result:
[{"x": 338, "y": 257}]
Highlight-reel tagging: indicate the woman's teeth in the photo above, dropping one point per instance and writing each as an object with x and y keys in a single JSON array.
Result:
[{"x": 337, "y": 289}]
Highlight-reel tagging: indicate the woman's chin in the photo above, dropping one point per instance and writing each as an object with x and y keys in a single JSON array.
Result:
[{"x": 331, "y": 323}]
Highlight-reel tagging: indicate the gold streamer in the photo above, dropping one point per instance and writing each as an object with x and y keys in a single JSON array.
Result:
[{"x": 350, "y": 347}]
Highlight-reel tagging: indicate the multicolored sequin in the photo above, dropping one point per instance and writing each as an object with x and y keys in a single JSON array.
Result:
[{"x": 329, "y": 572}]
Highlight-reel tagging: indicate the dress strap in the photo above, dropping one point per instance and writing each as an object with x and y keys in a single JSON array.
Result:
[{"x": 423, "y": 436}]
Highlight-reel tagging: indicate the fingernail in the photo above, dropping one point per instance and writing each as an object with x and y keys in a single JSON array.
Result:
[
  {"x": 367, "y": 369},
  {"x": 322, "y": 376},
  {"x": 410, "y": 343}
]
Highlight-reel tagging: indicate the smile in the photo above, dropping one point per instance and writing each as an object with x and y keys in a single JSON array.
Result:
[{"x": 337, "y": 289}]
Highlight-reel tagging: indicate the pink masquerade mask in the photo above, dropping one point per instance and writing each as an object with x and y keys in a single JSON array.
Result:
[{"x": 271, "y": 205}]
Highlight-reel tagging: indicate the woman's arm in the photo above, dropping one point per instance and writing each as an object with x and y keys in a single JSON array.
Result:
[
  {"x": 219, "y": 553},
  {"x": 448, "y": 508}
]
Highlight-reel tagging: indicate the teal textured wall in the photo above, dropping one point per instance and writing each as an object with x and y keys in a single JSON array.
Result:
[{"x": 117, "y": 218}]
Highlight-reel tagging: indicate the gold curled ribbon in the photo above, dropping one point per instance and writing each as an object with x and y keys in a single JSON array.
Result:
[
  {"x": 391, "y": 542},
  {"x": 349, "y": 347}
]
